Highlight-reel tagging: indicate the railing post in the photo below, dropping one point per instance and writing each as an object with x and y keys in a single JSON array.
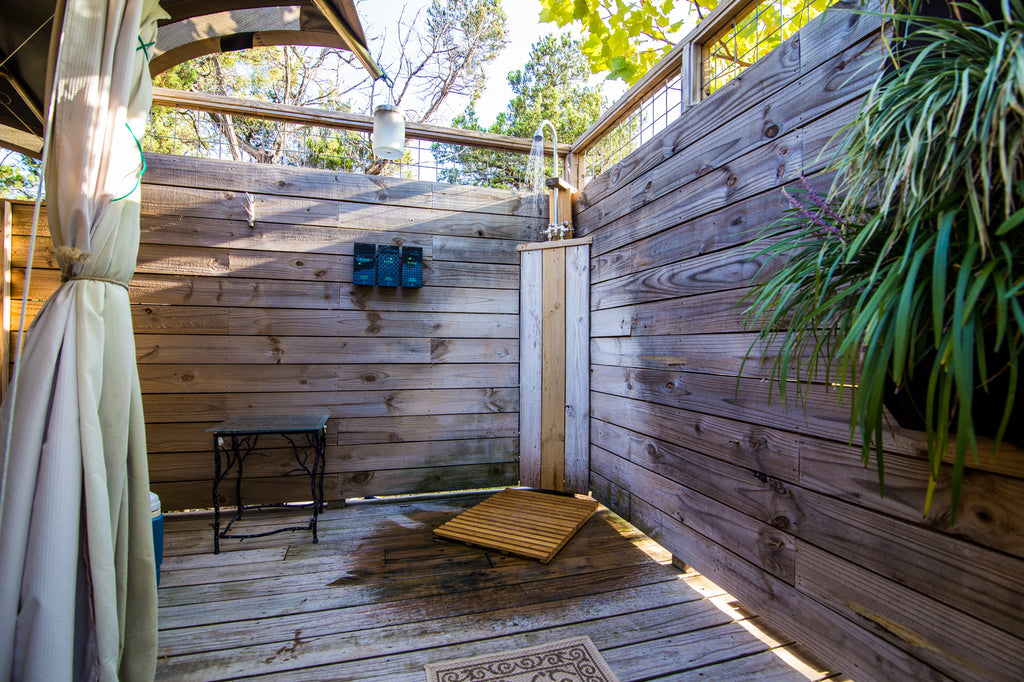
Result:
[
  {"x": 687, "y": 78},
  {"x": 6, "y": 221},
  {"x": 575, "y": 162}
]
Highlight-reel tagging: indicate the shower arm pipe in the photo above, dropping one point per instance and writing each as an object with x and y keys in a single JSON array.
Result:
[{"x": 554, "y": 164}]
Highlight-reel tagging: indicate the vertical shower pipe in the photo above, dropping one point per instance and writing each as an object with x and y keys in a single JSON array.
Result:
[{"x": 554, "y": 165}]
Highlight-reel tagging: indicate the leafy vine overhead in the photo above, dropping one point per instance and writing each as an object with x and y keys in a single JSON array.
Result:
[{"x": 624, "y": 39}]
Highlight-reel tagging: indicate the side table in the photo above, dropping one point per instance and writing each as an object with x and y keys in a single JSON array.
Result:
[{"x": 236, "y": 438}]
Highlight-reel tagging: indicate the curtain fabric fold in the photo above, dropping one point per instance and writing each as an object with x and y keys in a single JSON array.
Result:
[{"x": 77, "y": 571}]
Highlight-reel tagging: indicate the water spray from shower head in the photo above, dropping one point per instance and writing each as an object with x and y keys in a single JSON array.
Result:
[{"x": 539, "y": 137}]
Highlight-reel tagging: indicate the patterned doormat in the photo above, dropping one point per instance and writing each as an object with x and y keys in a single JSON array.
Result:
[{"x": 567, "y": 660}]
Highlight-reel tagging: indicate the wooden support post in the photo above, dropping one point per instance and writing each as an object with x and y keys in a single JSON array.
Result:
[
  {"x": 577, "y": 369},
  {"x": 530, "y": 363},
  {"x": 565, "y": 196},
  {"x": 554, "y": 357},
  {"x": 552, "y": 453},
  {"x": 689, "y": 81},
  {"x": 576, "y": 161},
  {"x": 5, "y": 305}
]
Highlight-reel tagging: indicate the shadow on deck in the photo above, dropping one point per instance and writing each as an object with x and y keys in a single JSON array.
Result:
[{"x": 379, "y": 597}]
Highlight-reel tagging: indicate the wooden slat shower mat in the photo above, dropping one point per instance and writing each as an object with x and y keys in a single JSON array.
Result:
[{"x": 522, "y": 522}]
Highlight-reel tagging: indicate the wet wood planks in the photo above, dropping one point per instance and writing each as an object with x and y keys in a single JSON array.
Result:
[{"x": 380, "y": 596}]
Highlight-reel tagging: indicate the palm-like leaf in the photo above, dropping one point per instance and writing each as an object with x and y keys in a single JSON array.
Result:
[{"x": 929, "y": 198}]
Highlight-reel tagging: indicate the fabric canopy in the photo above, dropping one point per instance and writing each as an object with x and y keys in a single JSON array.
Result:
[
  {"x": 77, "y": 571},
  {"x": 195, "y": 28}
]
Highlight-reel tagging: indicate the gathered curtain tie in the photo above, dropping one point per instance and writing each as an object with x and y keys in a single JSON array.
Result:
[{"x": 118, "y": 282}]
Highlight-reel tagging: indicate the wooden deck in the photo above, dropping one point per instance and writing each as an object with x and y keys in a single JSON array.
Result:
[{"x": 379, "y": 597}]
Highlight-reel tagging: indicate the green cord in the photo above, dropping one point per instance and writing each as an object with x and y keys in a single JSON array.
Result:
[
  {"x": 142, "y": 156},
  {"x": 145, "y": 51},
  {"x": 145, "y": 47}
]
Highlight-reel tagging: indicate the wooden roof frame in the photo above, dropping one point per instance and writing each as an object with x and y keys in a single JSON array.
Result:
[
  {"x": 196, "y": 28},
  {"x": 232, "y": 30}
]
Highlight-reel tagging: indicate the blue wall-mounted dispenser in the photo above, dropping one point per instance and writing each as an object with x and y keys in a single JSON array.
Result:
[
  {"x": 389, "y": 266},
  {"x": 412, "y": 267},
  {"x": 364, "y": 266}
]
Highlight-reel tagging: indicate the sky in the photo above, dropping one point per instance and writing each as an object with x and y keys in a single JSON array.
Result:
[{"x": 523, "y": 28}]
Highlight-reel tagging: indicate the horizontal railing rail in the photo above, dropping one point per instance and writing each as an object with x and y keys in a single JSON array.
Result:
[{"x": 201, "y": 101}]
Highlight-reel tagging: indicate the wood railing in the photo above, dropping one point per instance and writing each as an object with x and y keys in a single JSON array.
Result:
[
  {"x": 270, "y": 111},
  {"x": 668, "y": 90},
  {"x": 671, "y": 87}
]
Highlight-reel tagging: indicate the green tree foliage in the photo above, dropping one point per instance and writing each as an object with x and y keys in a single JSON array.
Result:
[
  {"x": 625, "y": 38},
  {"x": 442, "y": 52},
  {"x": 552, "y": 85},
  {"x": 753, "y": 35},
  {"x": 19, "y": 176},
  {"x": 290, "y": 75},
  {"x": 621, "y": 38}
]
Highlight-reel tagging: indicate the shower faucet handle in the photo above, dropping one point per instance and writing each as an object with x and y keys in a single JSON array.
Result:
[{"x": 556, "y": 231}]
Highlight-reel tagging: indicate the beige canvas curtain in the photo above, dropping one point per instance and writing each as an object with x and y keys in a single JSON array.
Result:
[{"x": 77, "y": 573}]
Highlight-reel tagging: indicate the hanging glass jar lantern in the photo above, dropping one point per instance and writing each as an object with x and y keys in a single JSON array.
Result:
[{"x": 388, "y": 132}]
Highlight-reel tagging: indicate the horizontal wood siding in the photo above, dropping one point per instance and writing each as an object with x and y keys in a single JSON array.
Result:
[
  {"x": 421, "y": 385},
  {"x": 775, "y": 503}
]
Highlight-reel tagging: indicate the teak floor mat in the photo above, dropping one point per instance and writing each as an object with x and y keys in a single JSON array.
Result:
[{"x": 523, "y": 522}]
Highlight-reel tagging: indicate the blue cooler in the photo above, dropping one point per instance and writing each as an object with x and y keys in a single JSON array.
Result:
[{"x": 158, "y": 531}]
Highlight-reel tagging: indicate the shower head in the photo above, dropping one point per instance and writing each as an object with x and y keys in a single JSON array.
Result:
[{"x": 539, "y": 133}]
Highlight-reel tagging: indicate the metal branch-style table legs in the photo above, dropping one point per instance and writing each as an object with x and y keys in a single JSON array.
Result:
[{"x": 236, "y": 438}]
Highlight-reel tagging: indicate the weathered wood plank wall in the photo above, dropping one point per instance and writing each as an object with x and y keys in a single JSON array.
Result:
[
  {"x": 554, "y": 366},
  {"x": 421, "y": 384},
  {"x": 774, "y": 504}
]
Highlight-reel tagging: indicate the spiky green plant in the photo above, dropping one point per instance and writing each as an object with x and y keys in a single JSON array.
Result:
[{"x": 906, "y": 268}]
